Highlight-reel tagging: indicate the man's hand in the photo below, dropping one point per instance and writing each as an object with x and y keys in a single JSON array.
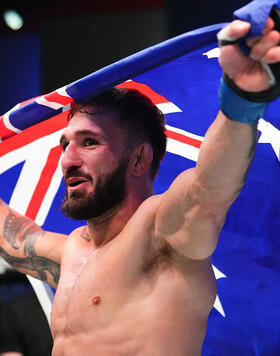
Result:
[{"x": 247, "y": 72}]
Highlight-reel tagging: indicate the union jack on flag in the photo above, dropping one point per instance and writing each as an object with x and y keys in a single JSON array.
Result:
[{"x": 181, "y": 76}]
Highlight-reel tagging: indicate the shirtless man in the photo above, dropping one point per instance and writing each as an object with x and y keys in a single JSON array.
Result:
[{"x": 137, "y": 280}]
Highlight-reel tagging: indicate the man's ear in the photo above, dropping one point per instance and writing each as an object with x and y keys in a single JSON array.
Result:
[{"x": 141, "y": 159}]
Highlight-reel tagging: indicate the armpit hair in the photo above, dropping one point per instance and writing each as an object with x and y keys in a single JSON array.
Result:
[{"x": 160, "y": 256}]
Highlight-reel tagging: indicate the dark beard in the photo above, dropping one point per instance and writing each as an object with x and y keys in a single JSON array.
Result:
[{"x": 110, "y": 191}]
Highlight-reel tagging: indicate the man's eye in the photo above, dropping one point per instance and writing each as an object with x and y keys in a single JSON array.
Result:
[{"x": 90, "y": 142}]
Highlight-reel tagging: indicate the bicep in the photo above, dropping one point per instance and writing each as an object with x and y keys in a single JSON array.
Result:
[
  {"x": 38, "y": 258},
  {"x": 28, "y": 248},
  {"x": 187, "y": 220},
  {"x": 42, "y": 256}
]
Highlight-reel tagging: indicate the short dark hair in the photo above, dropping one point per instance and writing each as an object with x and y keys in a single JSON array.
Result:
[{"x": 137, "y": 115}]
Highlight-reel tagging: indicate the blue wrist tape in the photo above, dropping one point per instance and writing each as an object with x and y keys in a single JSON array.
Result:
[{"x": 237, "y": 108}]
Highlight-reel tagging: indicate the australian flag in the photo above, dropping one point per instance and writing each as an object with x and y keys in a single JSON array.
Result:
[{"x": 181, "y": 76}]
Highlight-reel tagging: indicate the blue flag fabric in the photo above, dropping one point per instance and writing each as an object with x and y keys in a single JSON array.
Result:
[{"x": 245, "y": 319}]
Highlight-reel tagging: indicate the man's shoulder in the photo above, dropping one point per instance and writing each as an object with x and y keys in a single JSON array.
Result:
[
  {"x": 76, "y": 243},
  {"x": 150, "y": 206},
  {"x": 144, "y": 217},
  {"x": 78, "y": 230},
  {"x": 77, "y": 233}
]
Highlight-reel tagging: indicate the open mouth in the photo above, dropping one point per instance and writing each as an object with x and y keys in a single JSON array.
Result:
[{"x": 75, "y": 183}]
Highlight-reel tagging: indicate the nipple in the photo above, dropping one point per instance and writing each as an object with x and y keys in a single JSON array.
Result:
[{"x": 96, "y": 300}]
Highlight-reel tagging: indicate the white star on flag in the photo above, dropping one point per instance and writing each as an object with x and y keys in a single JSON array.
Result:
[
  {"x": 270, "y": 134},
  {"x": 213, "y": 53},
  {"x": 218, "y": 305}
]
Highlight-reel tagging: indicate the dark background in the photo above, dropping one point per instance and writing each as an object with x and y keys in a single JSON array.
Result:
[{"x": 64, "y": 40}]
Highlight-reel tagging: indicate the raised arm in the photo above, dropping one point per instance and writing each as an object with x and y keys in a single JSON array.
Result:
[
  {"x": 28, "y": 248},
  {"x": 193, "y": 210}
]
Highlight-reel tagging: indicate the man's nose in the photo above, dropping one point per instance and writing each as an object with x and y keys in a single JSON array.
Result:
[{"x": 71, "y": 158}]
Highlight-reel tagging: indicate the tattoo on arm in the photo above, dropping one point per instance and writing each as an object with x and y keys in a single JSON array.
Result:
[
  {"x": 85, "y": 234},
  {"x": 36, "y": 263},
  {"x": 12, "y": 227}
]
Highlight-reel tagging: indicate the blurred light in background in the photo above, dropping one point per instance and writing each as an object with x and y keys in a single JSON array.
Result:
[{"x": 13, "y": 19}]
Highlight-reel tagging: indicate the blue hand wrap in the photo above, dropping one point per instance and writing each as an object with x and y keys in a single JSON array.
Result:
[
  {"x": 237, "y": 104},
  {"x": 237, "y": 108}
]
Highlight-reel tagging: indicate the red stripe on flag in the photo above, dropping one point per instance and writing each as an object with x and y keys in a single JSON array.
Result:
[
  {"x": 32, "y": 133},
  {"x": 44, "y": 182},
  {"x": 144, "y": 89},
  {"x": 4, "y": 131},
  {"x": 184, "y": 139},
  {"x": 55, "y": 97}
]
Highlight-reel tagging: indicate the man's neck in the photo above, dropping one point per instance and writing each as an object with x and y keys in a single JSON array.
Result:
[{"x": 106, "y": 227}]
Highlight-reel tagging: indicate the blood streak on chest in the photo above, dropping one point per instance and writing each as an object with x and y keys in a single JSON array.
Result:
[{"x": 96, "y": 300}]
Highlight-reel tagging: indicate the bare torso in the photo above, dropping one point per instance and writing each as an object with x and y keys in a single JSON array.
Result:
[{"x": 133, "y": 296}]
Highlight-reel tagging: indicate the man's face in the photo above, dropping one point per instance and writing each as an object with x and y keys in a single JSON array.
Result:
[{"x": 93, "y": 165}]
